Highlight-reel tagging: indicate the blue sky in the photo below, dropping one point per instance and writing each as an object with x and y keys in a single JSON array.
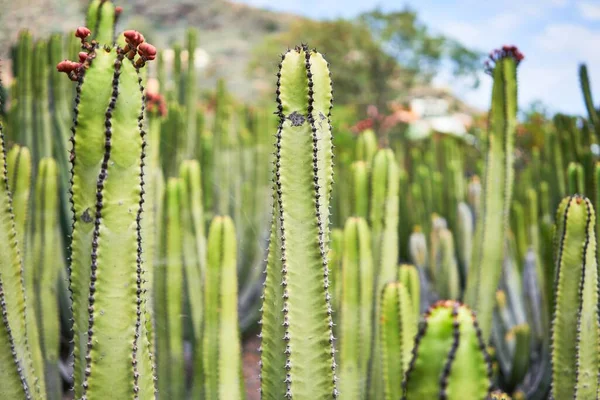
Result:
[{"x": 554, "y": 35}]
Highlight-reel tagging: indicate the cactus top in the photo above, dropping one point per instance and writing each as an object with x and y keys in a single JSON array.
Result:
[
  {"x": 135, "y": 45},
  {"x": 498, "y": 54}
]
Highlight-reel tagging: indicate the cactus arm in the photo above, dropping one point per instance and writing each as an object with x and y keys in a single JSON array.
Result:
[
  {"x": 194, "y": 242},
  {"x": 273, "y": 358},
  {"x": 432, "y": 345},
  {"x": 101, "y": 20},
  {"x": 300, "y": 198},
  {"x": 87, "y": 140},
  {"x": 350, "y": 319},
  {"x": 391, "y": 338},
  {"x": 575, "y": 335},
  {"x": 360, "y": 188},
  {"x": 174, "y": 290},
  {"x": 449, "y": 358},
  {"x": 470, "y": 374},
  {"x": 212, "y": 328},
  {"x": 586, "y": 90},
  {"x": 47, "y": 268},
  {"x": 493, "y": 223},
  {"x": 366, "y": 301},
  {"x": 230, "y": 382},
  {"x": 17, "y": 376},
  {"x": 19, "y": 180},
  {"x": 408, "y": 275}
]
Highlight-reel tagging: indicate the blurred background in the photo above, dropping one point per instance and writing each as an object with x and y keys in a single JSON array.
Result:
[{"x": 399, "y": 47}]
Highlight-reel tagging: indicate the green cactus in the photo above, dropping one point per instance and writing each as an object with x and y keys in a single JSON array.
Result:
[
  {"x": 190, "y": 88},
  {"x": 335, "y": 257},
  {"x": 221, "y": 343},
  {"x": 575, "y": 326},
  {"x": 593, "y": 113},
  {"x": 576, "y": 178},
  {"x": 408, "y": 275},
  {"x": 112, "y": 353},
  {"x": 360, "y": 189},
  {"x": 18, "y": 377},
  {"x": 493, "y": 223},
  {"x": 366, "y": 146},
  {"x": 194, "y": 256},
  {"x": 169, "y": 296},
  {"x": 47, "y": 259},
  {"x": 297, "y": 347},
  {"x": 464, "y": 236},
  {"x": 449, "y": 360},
  {"x": 398, "y": 330},
  {"x": 384, "y": 229},
  {"x": 356, "y": 309},
  {"x": 19, "y": 166}
]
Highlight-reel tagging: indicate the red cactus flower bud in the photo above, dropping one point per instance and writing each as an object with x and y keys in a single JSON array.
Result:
[
  {"x": 118, "y": 10},
  {"x": 133, "y": 38},
  {"x": 83, "y": 56},
  {"x": 82, "y": 32},
  {"x": 147, "y": 51},
  {"x": 67, "y": 66}
]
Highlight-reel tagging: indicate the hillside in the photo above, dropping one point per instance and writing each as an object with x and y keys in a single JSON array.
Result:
[{"x": 228, "y": 31}]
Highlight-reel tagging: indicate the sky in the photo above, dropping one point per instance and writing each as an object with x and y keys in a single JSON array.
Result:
[{"x": 555, "y": 36}]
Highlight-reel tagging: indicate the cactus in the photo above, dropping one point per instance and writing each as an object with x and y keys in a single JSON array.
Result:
[
  {"x": 593, "y": 113},
  {"x": 492, "y": 223},
  {"x": 297, "y": 347},
  {"x": 360, "y": 189},
  {"x": 366, "y": 146},
  {"x": 575, "y": 326},
  {"x": 576, "y": 178},
  {"x": 221, "y": 345},
  {"x": 356, "y": 309},
  {"x": 18, "y": 377},
  {"x": 449, "y": 358},
  {"x": 384, "y": 229},
  {"x": 194, "y": 256},
  {"x": 464, "y": 237},
  {"x": 107, "y": 195},
  {"x": 169, "y": 296},
  {"x": 408, "y": 275},
  {"x": 47, "y": 258},
  {"x": 398, "y": 329},
  {"x": 19, "y": 165}
]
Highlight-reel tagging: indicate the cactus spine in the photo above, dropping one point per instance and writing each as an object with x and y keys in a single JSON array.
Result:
[
  {"x": 575, "y": 326},
  {"x": 492, "y": 224},
  {"x": 297, "y": 272},
  {"x": 221, "y": 345},
  {"x": 448, "y": 328},
  {"x": 356, "y": 309},
  {"x": 112, "y": 355}
]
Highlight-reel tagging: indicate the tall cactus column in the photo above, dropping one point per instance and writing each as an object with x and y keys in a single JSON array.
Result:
[
  {"x": 297, "y": 346},
  {"x": 486, "y": 266},
  {"x": 575, "y": 325},
  {"x": 17, "y": 376},
  {"x": 112, "y": 352}
]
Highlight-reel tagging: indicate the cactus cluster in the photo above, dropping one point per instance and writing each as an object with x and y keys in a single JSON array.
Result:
[{"x": 133, "y": 245}]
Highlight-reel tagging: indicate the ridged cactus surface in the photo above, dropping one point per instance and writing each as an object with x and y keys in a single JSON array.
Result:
[{"x": 297, "y": 270}]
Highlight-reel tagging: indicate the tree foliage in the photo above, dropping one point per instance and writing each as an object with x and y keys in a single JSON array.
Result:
[{"x": 376, "y": 57}]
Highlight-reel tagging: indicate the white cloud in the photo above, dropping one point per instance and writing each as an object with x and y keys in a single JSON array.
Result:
[
  {"x": 589, "y": 10},
  {"x": 569, "y": 42}
]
